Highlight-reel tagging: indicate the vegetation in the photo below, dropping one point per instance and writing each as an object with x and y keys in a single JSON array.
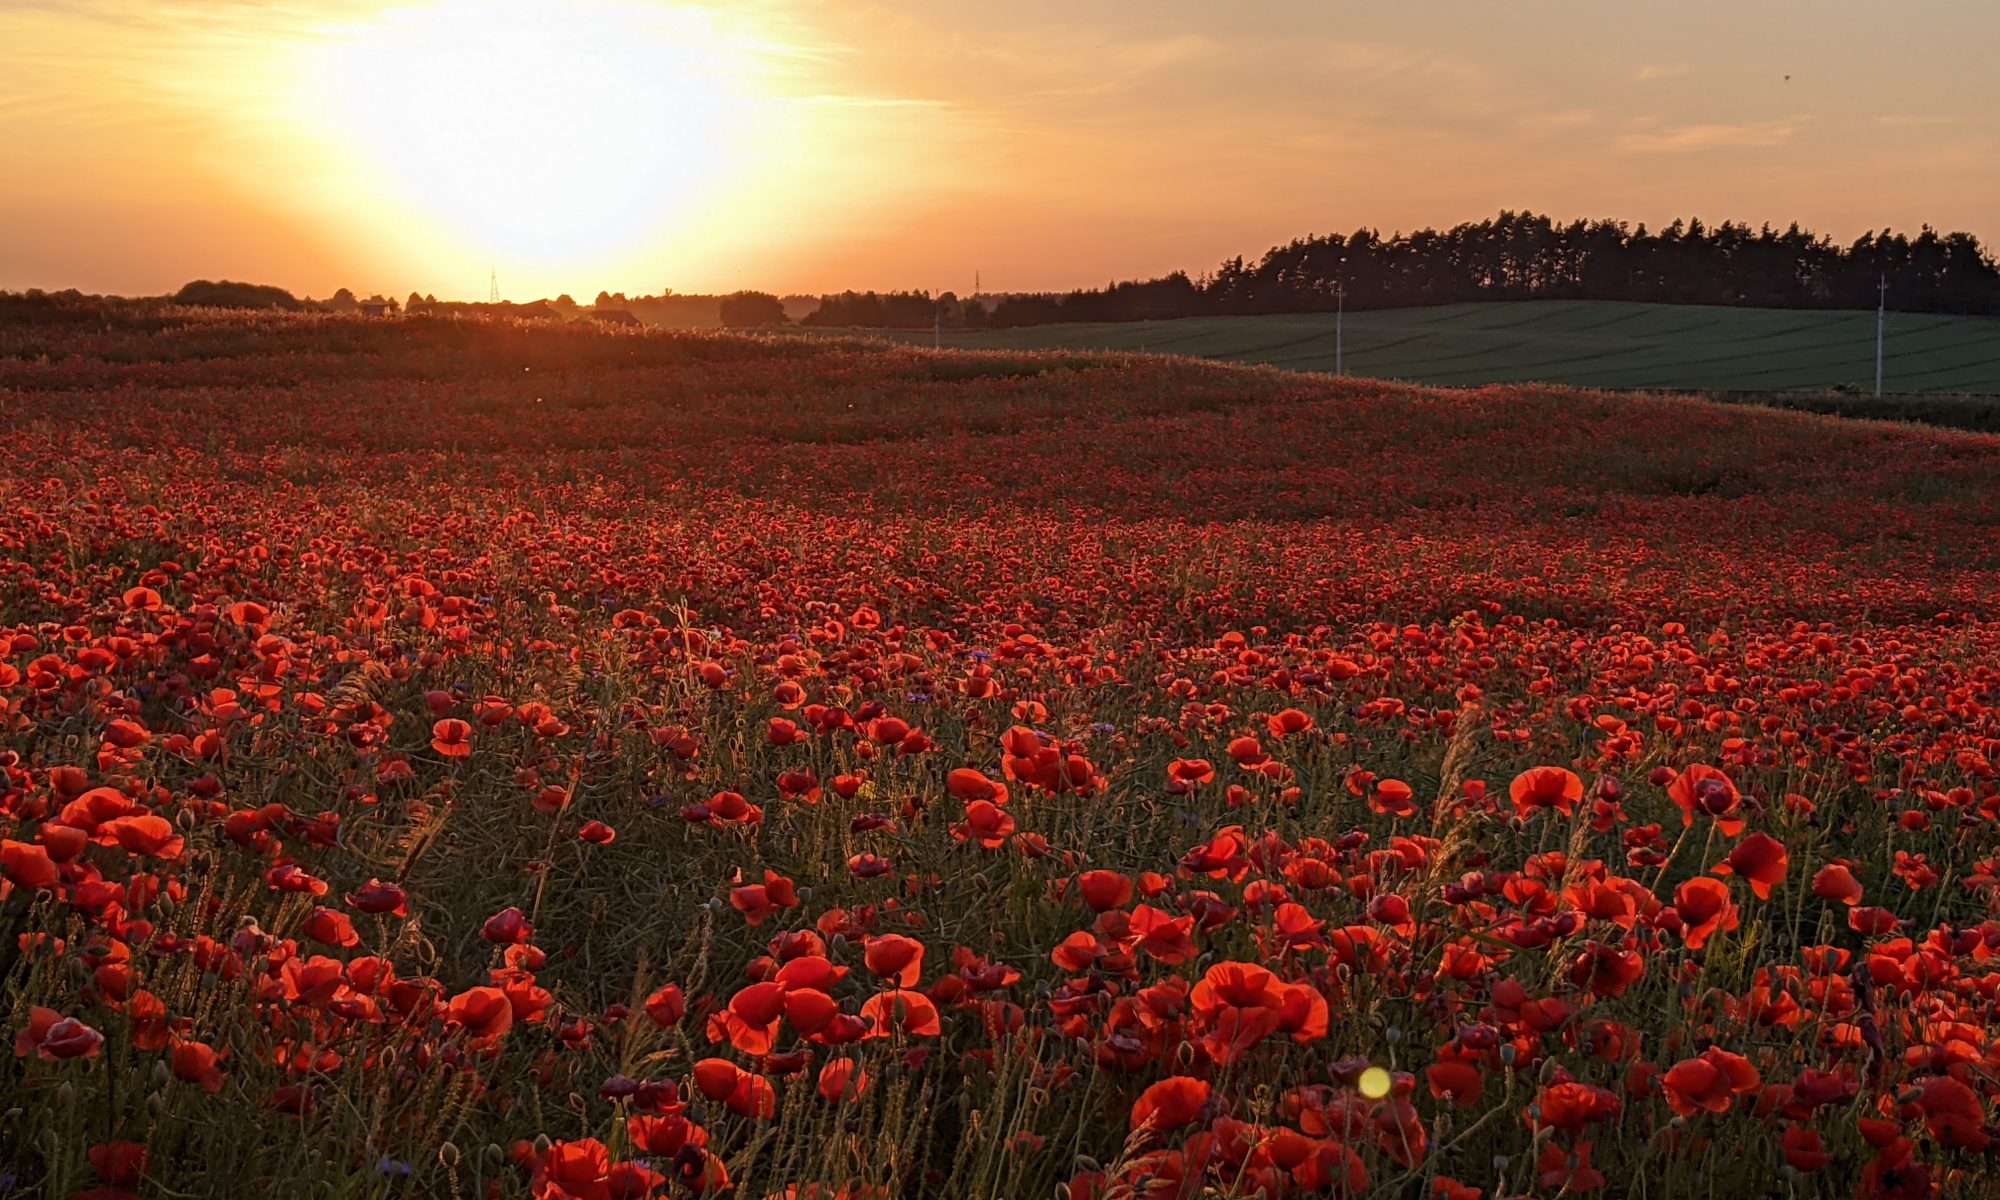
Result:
[
  {"x": 225, "y": 294},
  {"x": 1522, "y": 256},
  {"x": 1586, "y": 344},
  {"x": 752, "y": 310},
  {"x": 453, "y": 757}
]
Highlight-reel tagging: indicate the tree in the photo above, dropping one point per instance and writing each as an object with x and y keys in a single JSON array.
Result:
[
  {"x": 226, "y": 293},
  {"x": 752, "y": 310}
]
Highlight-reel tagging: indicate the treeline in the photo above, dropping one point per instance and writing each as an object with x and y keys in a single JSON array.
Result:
[{"x": 1515, "y": 256}]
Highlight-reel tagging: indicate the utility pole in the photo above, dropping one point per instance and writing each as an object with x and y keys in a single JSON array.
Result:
[
  {"x": 493, "y": 287},
  {"x": 937, "y": 325},
  {"x": 1340, "y": 330},
  {"x": 1881, "y": 329}
]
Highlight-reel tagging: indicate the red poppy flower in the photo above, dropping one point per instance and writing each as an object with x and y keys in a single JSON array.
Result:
[
  {"x": 716, "y": 1078},
  {"x": 1804, "y": 1149},
  {"x": 509, "y": 926},
  {"x": 1872, "y": 920},
  {"x": 969, "y": 785},
  {"x": 1545, "y": 787},
  {"x": 1238, "y": 1005},
  {"x": 381, "y": 899},
  {"x": 196, "y": 1062},
  {"x": 484, "y": 1013},
  {"x": 26, "y": 865},
  {"x": 1761, "y": 859},
  {"x": 910, "y": 1013},
  {"x": 1706, "y": 790},
  {"x": 895, "y": 958},
  {"x": 120, "y": 1164},
  {"x": 1708, "y": 1083},
  {"x": 1167, "y": 938},
  {"x": 666, "y": 1006},
  {"x": 1567, "y": 1170},
  {"x": 51, "y": 1036},
  {"x": 1393, "y": 798},
  {"x": 1171, "y": 1103},
  {"x": 1953, "y": 1114},
  {"x": 146, "y": 834},
  {"x": 986, "y": 823},
  {"x": 1456, "y": 1081},
  {"x": 1607, "y": 971},
  {"x": 665, "y": 1136},
  {"x": 330, "y": 927},
  {"x": 1104, "y": 890},
  {"x": 1705, "y": 908},
  {"x": 1836, "y": 882},
  {"x": 1569, "y": 1106},
  {"x": 841, "y": 1079},
  {"x": 1289, "y": 721},
  {"x": 572, "y": 1171},
  {"x": 452, "y": 738}
]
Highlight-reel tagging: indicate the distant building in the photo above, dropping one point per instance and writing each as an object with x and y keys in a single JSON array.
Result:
[
  {"x": 614, "y": 316},
  {"x": 376, "y": 306}
]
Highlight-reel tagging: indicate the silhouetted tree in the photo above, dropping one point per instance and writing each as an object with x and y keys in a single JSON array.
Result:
[
  {"x": 752, "y": 310},
  {"x": 228, "y": 294},
  {"x": 1522, "y": 256}
]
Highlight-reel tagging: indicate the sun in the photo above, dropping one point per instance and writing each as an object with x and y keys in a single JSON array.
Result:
[{"x": 543, "y": 133}]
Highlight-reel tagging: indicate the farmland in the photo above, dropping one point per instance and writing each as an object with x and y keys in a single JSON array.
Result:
[
  {"x": 455, "y": 758},
  {"x": 1597, "y": 344}
]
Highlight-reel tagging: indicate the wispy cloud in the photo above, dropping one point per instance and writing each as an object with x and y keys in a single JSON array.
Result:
[
  {"x": 1654, "y": 72},
  {"x": 1915, "y": 121},
  {"x": 1658, "y": 138}
]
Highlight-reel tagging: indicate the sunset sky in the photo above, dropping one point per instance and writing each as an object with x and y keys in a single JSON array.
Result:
[{"x": 636, "y": 145}]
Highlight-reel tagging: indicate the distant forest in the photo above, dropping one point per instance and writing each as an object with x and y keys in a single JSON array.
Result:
[{"x": 1515, "y": 256}]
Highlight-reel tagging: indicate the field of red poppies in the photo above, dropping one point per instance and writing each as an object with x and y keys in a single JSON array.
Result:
[{"x": 470, "y": 760}]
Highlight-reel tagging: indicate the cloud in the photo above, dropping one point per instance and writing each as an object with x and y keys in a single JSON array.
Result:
[
  {"x": 1657, "y": 138},
  {"x": 1912, "y": 121},
  {"x": 1654, "y": 72}
]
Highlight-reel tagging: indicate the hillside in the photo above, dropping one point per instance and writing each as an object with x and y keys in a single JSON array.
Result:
[
  {"x": 460, "y": 757},
  {"x": 1601, "y": 344}
]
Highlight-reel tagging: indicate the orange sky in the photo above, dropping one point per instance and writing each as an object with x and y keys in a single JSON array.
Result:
[{"x": 636, "y": 145}]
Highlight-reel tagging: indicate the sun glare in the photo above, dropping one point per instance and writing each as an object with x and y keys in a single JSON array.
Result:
[{"x": 547, "y": 135}]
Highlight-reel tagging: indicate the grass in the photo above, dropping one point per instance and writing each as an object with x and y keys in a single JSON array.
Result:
[{"x": 1600, "y": 344}]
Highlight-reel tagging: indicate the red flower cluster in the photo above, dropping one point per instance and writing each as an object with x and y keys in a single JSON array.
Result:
[{"x": 597, "y": 765}]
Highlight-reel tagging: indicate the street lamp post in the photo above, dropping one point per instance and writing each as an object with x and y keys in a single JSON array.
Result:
[
  {"x": 1881, "y": 329},
  {"x": 1340, "y": 329}
]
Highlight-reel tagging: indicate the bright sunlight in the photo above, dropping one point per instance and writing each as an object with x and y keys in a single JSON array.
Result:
[{"x": 546, "y": 135}]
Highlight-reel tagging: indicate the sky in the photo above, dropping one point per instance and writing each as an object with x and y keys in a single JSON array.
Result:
[{"x": 817, "y": 145}]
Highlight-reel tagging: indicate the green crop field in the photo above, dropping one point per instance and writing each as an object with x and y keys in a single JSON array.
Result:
[{"x": 1585, "y": 343}]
